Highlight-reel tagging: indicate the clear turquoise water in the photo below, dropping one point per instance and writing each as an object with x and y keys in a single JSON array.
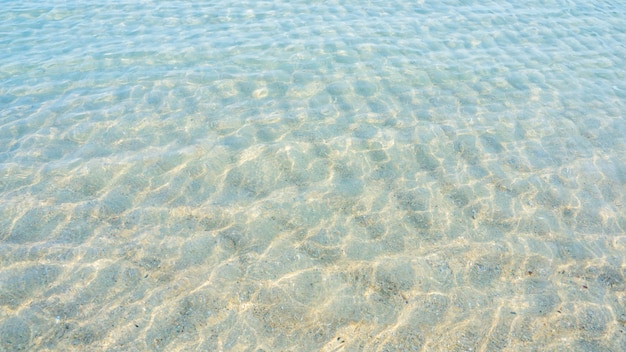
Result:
[{"x": 312, "y": 175}]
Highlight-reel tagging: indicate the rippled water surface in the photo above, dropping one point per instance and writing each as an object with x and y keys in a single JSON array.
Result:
[{"x": 313, "y": 175}]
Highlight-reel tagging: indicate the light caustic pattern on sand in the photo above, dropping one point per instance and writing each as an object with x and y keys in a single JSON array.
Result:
[{"x": 336, "y": 176}]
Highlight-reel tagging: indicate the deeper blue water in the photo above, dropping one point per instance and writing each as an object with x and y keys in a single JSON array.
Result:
[{"x": 313, "y": 175}]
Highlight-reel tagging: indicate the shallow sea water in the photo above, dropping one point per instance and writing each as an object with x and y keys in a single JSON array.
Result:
[{"x": 313, "y": 175}]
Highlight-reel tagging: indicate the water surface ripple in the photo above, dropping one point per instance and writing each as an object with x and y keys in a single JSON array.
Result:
[{"x": 312, "y": 175}]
